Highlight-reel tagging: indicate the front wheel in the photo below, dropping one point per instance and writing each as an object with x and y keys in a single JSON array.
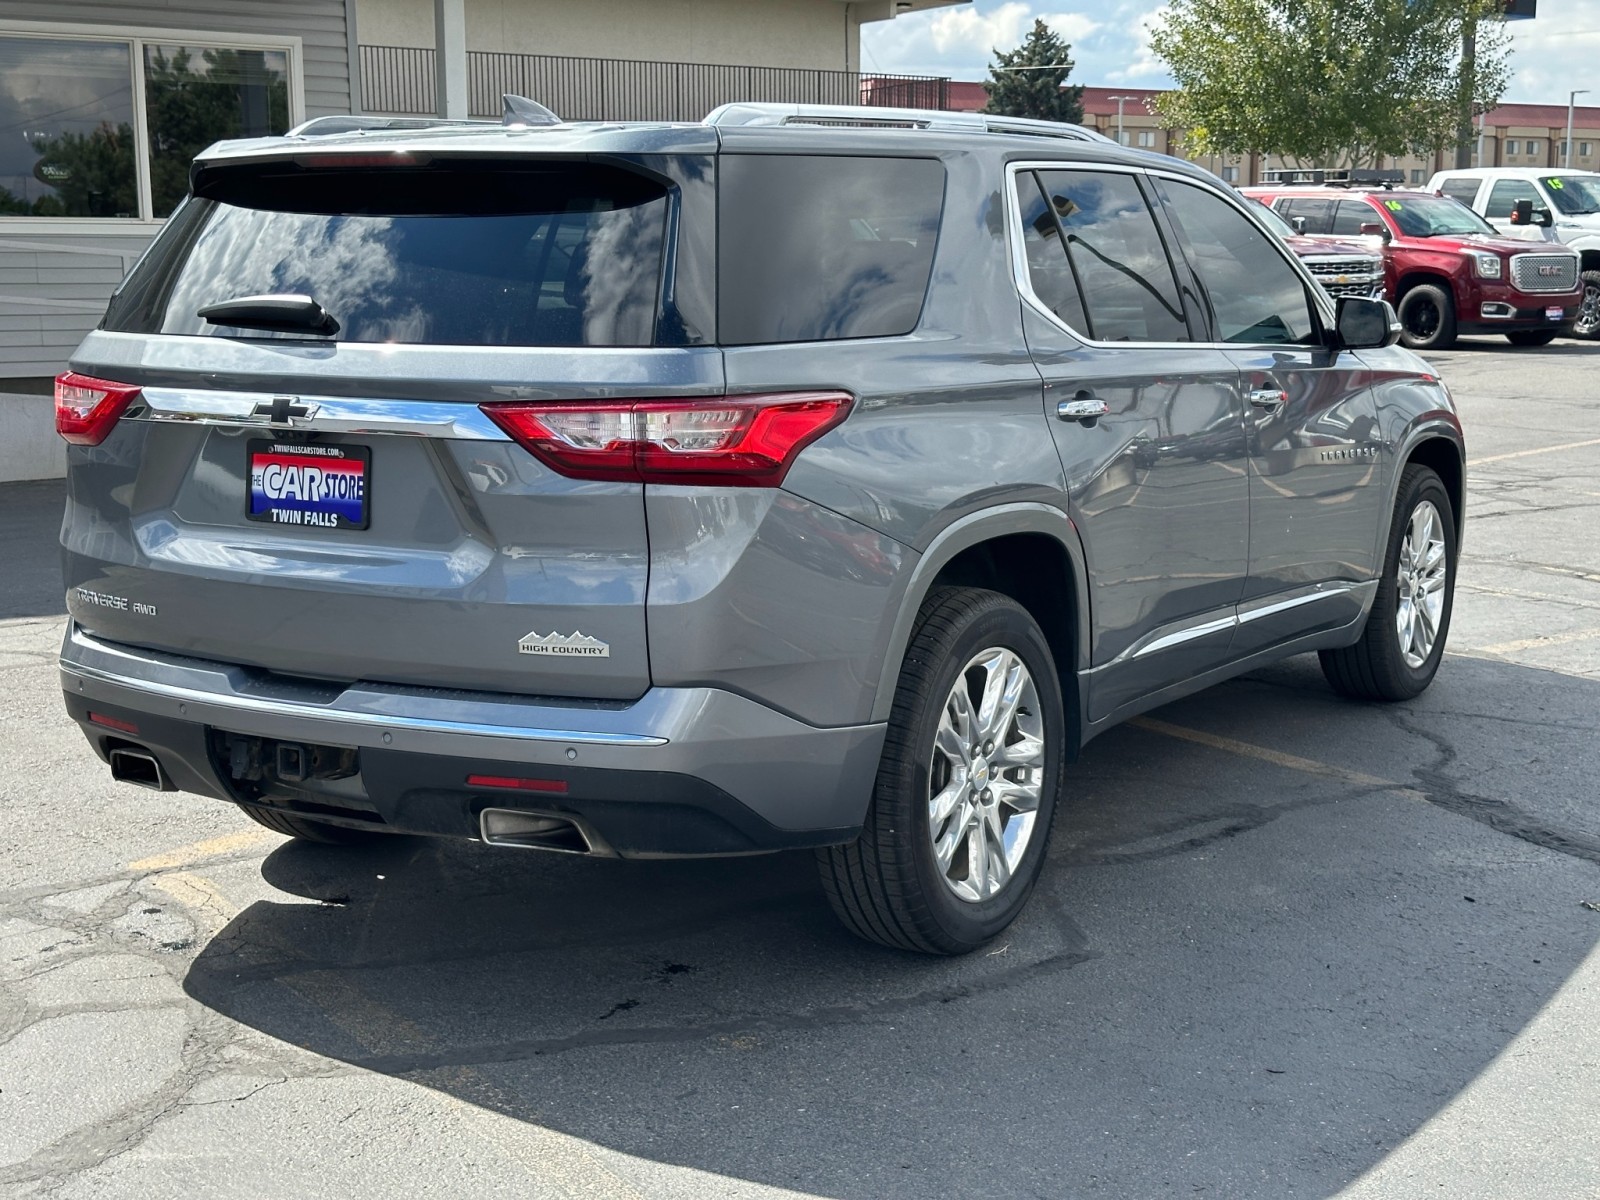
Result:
[
  {"x": 1403, "y": 642},
  {"x": 1427, "y": 318},
  {"x": 1587, "y": 322},
  {"x": 1531, "y": 337},
  {"x": 955, "y": 836}
]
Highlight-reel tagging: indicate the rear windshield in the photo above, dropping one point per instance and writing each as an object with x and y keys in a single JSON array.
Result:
[
  {"x": 813, "y": 247},
  {"x": 462, "y": 253}
]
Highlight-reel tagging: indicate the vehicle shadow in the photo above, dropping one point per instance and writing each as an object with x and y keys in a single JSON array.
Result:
[
  {"x": 30, "y": 549},
  {"x": 1240, "y": 975}
]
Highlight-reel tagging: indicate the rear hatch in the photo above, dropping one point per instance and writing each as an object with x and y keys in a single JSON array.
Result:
[{"x": 305, "y": 482}]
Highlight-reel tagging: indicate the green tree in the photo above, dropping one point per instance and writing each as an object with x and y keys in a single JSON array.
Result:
[
  {"x": 92, "y": 174},
  {"x": 1319, "y": 80},
  {"x": 1037, "y": 91}
]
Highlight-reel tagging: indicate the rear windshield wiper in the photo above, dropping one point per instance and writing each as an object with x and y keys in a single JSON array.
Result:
[{"x": 287, "y": 312}]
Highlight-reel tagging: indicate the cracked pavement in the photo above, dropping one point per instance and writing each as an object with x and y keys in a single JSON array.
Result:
[{"x": 1285, "y": 946}]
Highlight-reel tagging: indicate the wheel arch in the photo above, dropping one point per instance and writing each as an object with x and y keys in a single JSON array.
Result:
[
  {"x": 1413, "y": 278},
  {"x": 1442, "y": 455},
  {"x": 1030, "y": 552}
]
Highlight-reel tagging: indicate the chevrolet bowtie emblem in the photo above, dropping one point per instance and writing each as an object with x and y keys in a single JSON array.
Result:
[{"x": 282, "y": 409}]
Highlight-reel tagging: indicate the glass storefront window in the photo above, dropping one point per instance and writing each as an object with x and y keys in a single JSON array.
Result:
[
  {"x": 66, "y": 129},
  {"x": 198, "y": 95}
]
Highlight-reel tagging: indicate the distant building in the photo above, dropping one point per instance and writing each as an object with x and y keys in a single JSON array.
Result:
[{"x": 1513, "y": 135}]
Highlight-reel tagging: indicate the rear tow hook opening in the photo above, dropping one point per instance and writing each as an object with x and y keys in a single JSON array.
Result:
[
  {"x": 532, "y": 831},
  {"x": 140, "y": 767}
]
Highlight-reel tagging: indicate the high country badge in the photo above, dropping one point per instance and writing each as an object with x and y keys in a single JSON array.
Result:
[{"x": 575, "y": 645}]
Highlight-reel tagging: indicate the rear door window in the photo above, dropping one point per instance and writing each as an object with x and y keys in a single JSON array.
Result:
[
  {"x": 452, "y": 253},
  {"x": 1463, "y": 188},
  {"x": 821, "y": 247},
  {"x": 1317, "y": 214},
  {"x": 1116, "y": 256}
]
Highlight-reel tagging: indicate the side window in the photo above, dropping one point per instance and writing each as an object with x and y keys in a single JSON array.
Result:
[
  {"x": 1464, "y": 189},
  {"x": 1350, "y": 215},
  {"x": 1116, "y": 256},
  {"x": 1317, "y": 214},
  {"x": 1049, "y": 270},
  {"x": 1256, "y": 295},
  {"x": 1504, "y": 196}
]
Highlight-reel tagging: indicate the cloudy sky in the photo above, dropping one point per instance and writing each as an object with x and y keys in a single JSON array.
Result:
[{"x": 1550, "y": 55}]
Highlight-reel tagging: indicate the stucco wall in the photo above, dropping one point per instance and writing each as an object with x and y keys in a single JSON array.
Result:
[{"x": 823, "y": 34}]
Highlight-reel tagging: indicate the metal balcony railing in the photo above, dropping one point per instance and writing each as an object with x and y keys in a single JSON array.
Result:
[{"x": 400, "y": 80}]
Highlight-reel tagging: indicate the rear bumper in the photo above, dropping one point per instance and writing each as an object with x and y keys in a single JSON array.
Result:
[{"x": 679, "y": 772}]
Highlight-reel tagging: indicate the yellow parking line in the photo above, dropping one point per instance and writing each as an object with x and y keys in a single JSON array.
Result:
[
  {"x": 187, "y": 856},
  {"x": 1478, "y": 462},
  {"x": 1293, "y": 762},
  {"x": 1535, "y": 643}
]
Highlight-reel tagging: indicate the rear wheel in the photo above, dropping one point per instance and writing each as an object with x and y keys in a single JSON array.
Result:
[
  {"x": 1427, "y": 318},
  {"x": 1403, "y": 642},
  {"x": 307, "y": 829},
  {"x": 1587, "y": 322},
  {"x": 1532, "y": 337},
  {"x": 955, "y": 836}
]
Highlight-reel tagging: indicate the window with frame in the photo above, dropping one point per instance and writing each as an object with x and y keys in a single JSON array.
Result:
[
  {"x": 1585, "y": 149},
  {"x": 1350, "y": 215},
  {"x": 1147, "y": 138},
  {"x": 1462, "y": 188},
  {"x": 1317, "y": 214},
  {"x": 1504, "y": 195},
  {"x": 1102, "y": 223},
  {"x": 1256, "y": 295},
  {"x": 1511, "y": 147},
  {"x": 1230, "y": 174},
  {"x": 77, "y": 129}
]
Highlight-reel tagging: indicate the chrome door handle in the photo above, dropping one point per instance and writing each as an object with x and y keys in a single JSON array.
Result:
[
  {"x": 1268, "y": 399},
  {"x": 1082, "y": 407}
]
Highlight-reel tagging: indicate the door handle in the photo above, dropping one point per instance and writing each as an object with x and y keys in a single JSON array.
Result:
[
  {"x": 1268, "y": 399},
  {"x": 1083, "y": 407}
]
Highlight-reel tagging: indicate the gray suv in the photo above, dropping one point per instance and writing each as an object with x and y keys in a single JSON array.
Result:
[{"x": 798, "y": 479}]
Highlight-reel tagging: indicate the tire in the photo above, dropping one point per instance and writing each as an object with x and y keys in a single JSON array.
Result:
[
  {"x": 1427, "y": 318},
  {"x": 889, "y": 886},
  {"x": 1377, "y": 667},
  {"x": 1587, "y": 322},
  {"x": 1532, "y": 337},
  {"x": 308, "y": 830}
]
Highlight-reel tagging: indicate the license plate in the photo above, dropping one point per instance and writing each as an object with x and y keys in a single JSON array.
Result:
[
  {"x": 320, "y": 486},
  {"x": 1554, "y": 314}
]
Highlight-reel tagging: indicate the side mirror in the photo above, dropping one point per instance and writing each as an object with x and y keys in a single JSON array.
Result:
[
  {"x": 1364, "y": 324},
  {"x": 1522, "y": 212},
  {"x": 1375, "y": 229},
  {"x": 1299, "y": 224}
]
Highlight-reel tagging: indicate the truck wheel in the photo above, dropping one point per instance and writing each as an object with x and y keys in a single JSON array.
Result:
[
  {"x": 955, "y": 835},
  {"x": 308, "y": 830},
  {"x": 1403, "y": 642},
  {"x": 1427, "y": 318},
  {"x": 1532, "y": 337},
  {"x": 1587, "y": 322}
]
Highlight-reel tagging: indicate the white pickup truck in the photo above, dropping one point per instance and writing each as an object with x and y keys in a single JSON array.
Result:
[{"x": 1562, "y": 206}]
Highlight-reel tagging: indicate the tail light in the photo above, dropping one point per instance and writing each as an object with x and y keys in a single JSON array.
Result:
[
  {"x": 86, "y": 408},
  {"x": 721, "y": 441}
]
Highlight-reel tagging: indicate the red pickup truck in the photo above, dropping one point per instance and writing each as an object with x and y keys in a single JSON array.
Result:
[{"x": 1446, "y": 270}]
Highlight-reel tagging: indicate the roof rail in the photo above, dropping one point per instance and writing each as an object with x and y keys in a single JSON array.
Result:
[
  {"x": 325, "y": 126},
  {"x": 866, "y": 116}
]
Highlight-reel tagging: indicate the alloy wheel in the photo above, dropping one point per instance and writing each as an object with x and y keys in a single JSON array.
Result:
[
  {"x": 986, "y": 777},
  {"x": 1588, "y": 319},
  {"x": 1421, "y": 575}
]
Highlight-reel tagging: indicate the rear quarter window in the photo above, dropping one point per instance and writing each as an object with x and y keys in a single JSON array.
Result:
[
  {"x": 453, "y": 253},
  {"x": 818, "y": 247}
]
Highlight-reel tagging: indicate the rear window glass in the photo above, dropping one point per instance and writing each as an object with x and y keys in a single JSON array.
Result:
[
  {"x": 816, "y": 248},
  {"x": 458, "y": 254}
]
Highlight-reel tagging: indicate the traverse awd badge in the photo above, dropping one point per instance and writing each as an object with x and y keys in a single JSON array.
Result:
[{"x": 577, "y": 644}]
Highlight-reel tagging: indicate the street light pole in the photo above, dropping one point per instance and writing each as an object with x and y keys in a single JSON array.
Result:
[
  {"x": 1120, "y": 101},
  {"x": 1566, "y": 156}
]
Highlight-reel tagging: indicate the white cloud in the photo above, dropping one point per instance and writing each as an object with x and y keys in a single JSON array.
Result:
[
  {"x": 1145, "y": 66},
  {"x": 954, "y": 30}
]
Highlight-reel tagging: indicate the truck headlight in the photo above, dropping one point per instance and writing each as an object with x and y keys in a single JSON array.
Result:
[{"x": 1488, "y": 265}]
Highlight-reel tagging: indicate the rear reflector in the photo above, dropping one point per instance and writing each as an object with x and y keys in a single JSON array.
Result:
[
  {"x": 113, "y": 723},
  {"x": 718, "y": 441},
  {"x": 512, "y": 783},
  {"x": 87, "y": 408}
]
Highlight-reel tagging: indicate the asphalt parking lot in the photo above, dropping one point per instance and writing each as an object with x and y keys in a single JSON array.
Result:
[{"x": 1287, "y": 945}]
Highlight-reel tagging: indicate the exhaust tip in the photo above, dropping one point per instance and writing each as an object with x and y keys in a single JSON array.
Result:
[
  {"x": 532, "y": 831},
  {"x": 141, "y": 768}
]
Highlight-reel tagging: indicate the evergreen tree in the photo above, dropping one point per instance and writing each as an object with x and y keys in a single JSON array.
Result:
[{"x": 1037, "y": 92}]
